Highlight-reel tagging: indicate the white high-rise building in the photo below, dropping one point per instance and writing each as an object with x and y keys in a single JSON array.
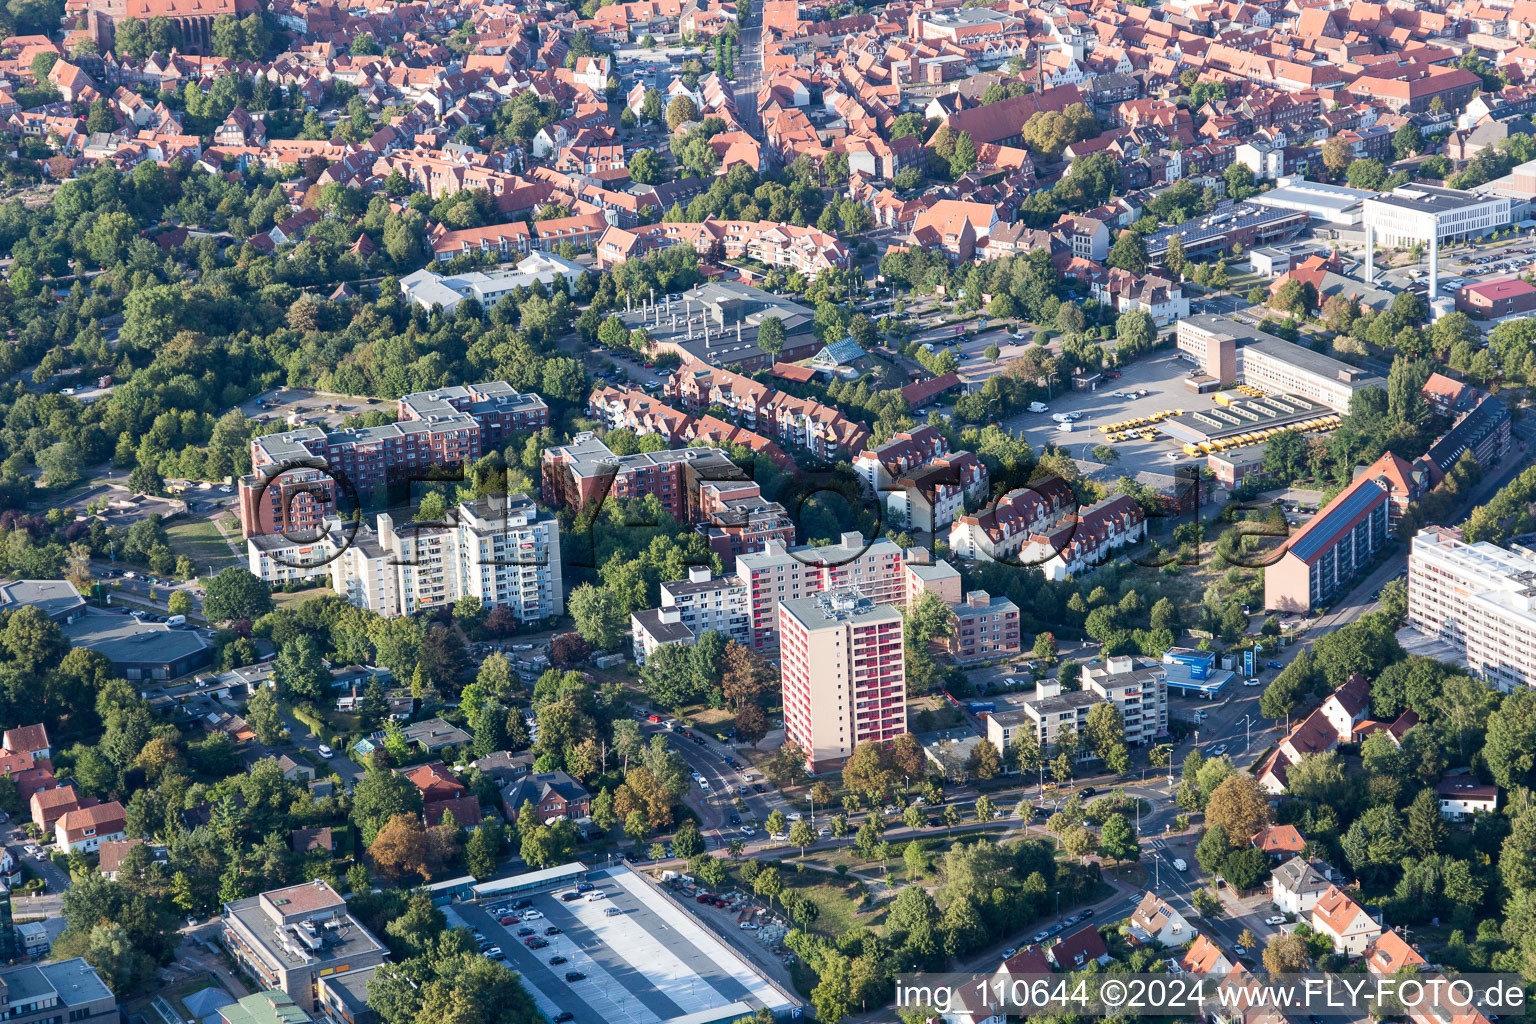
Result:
[
  {"x": 1477, "y": 597},
  {"x": 500, "y": 549}
]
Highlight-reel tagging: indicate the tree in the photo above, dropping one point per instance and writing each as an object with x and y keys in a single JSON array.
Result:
[
  {"x": 984, "y": 761},
  {"x": 1239, "y": 806},
  {"x": 1173, "y": 260},
  {"x": 599, "y": 613},
  {"x": 482, "y": 850},
  {"x": 1117, "y": 839},
  {"x": 1427, "y": 831},
  {"x": 681, "y": 109},
  {"x": 1407, "y": 141},
  {"x": 403, "y": 847},
  {"x": 379, "y": 796},
  {"x": 236, "y": 594},
  {"x": 60, "y": 464},
  {"x": 262, "y": 716},
  {"x": 801, "y": 834},
  {"x": 1129, "y": 252},
  {"x": 963, "y": 160},
  {"x": 300, "y": 671},
  {"x": 1510, "y": 746},
  {"x": 771, "y": 336},
  {"x": 686, "y": 841},
  {"x": 1207, "y": 904},
  {"x": 1337, "y": 155},
  {"x": 646, "y": 168},
  {"x": 1286, "y": 953}
]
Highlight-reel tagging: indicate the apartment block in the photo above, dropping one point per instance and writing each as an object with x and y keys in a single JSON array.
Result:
[
  {"x": 1138, "y": 687},
  {"x": 882, "y": 466},
  {"x": 289, "y": 939},
  {"x": 1078, "y": 541},
  {"x": 1480, "y": 598},
  {"x": 294, "y": 480},
  {"x": 502, "y": 550},
  {"x": 50, "y": 993},
  {"x": 1000, "y": 531},
  {"x": 927, "y": 500},
  {"x": 694, "y": 485},
  {"x": 985, "y": 627},
  {"x": 692, "y": 606},
  {"x": 778, "y": 574},
  {"x": 1331, "y": 549},
  {"x": 844, "y": 671}
]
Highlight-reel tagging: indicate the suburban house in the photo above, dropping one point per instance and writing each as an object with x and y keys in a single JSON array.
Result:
[
  {"x": 1155, "y": 920},
  {"x": 1297, "y": 885},
  {"x": 1344, "y": 921},
  {"x": 434, "y": 734},
  {"x": 553, "y": 795},
  {"x": 1205, "y": 957},
  {"x": 1279, "y": 842},
  {"x": 28, "y": 739},
  {"x": 1077, "y": 950},
  {"x": 86, "y": 828},
  {"x": 1462, "y": 796},
  {"x": 1390, "y": 954},
  {"x": 49, "y": 805}
]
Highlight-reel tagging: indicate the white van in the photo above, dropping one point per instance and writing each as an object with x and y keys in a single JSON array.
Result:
[
  {"x": 325, "y": 751},
  {"x": 1178, "y": 864}
]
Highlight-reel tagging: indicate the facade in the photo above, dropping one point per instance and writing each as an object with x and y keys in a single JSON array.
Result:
[
  {"x": 1081, "y": 540},
  {"x": 1490, "y": 300},
  {"x": 1345, "y": 922},
  {"x": 1281, "y": 367},
  {"x": 694, "y": 485},
  {"x": 844, "y": 670},
  {"x": 882, "y": 466},
  {"x": 1462, "y": 796},
  {"x": 294, "y": 483},
  {"x": 289, "y": 939},
  {"x": 1431, "y": 215},
  {"x": 1478, "y": 597},
  {"x": 1297, "y": 885},
  {"x": 1138, "y": 689},
  {"x": 1000, "y": 531},
  {"x": 426, "y": 289},
  {"x": 778, "y": 574},
  {"x": 929, "y": 499},
  {"x": 1327, "y": 553},
  {"x": 986, "y": 627},
  {"x": 84, "y": 829},
  {"x": 690, "y": 607},
  {"x": 1210, "y": 342},
  {"x": 50, "y": 993},
  {"x": 502, "y": 550},
  {"x": 1156, "y": 920}
]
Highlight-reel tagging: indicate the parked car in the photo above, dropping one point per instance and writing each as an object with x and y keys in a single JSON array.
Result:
[
  {"x": 1275, "y": 665},
  {"x": 495, "y": 953},
  {"x": 324, "y": 751},
  {"x": 556, "y": 961},
  {"x": 1274, "y": 919},
  {"x": 574, "y": 976},
  {"x": 521, "y": 932},
  {"x": 552, "y": 930}
]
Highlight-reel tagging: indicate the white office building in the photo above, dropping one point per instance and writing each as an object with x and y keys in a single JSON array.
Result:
[
  {"x": 1480, "y": 598},
  {"x": 1428, "y": 214}
]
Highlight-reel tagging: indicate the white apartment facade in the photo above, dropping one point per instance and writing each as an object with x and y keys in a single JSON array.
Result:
[
  {"x": 1478, "y": 597},
  {"x": 779, "y": 573},
  {"x": 1138, "y": 690},
  {"x": 502, "y": 550}
]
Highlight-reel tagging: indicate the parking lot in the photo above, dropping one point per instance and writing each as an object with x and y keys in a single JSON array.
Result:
[
  {"x": 307, "y": 406},
  {"x": 1161, "y": 376},
  {"x": 642, "y": 960}
]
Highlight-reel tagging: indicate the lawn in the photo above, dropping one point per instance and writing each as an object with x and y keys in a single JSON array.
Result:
[
  {"x": 837, "y": 898},
  {"x": 200, "y": 540},
  {"x": 292, "y": 599}
]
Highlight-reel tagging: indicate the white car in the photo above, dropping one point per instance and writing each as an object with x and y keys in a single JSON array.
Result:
[
  {"x": 533, "y": 915},
  {"x": 1221, "y": 748},
  {"x": 748, "y": 830},
  {"x": 325, "y": 751},
  {"x": 1274, "y": 920},
  {"x": 1253, "y": 682},
  {"x": 593, "y": 897},
  {"x": 794, "y": 815},
  {"x": 780, "y": 837}
]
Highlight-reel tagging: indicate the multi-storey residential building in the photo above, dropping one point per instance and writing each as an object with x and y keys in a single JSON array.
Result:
[
  {"x": 806, "y": 251},
  {"x": 1138, "y": 688},
  {"x": 908, "y": 450},
  {"x": 294, "y": 480},
  {"x": 694, "y": 485},
  {"x": 1080, "y": 540},
  {"x": 844, "y": 670},
  {"x": 1478, "y": 597},
  {"x": 51, "y": 993},
  {"x": 502, "y": 550},
  {"x": 801, "y": 422},
  {"x": 692, "y": 606},
  {"x": 778, "y": 574},
  {"x": 929, "y": 499},
  {"x": 289, "y": 939},
  {"x": 1000, "y": 531},
  {"x": 1282, "y": 367},
  {"x": 985, "y": 627},
  {"x": 1332, "y": 548}
]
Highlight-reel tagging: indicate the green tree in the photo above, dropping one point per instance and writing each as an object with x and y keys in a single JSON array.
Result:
[
  {"x": 1129, "y": 253},
  {"x": 1117, "y": 839},
  {"x": 236, "y": 594},
  {"x": 262, "y": 715}
]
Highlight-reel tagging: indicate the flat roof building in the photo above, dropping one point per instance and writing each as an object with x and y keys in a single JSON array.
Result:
[
  {"x": 60, "y": 600},
  {"x": 291, "y": 938},
  {"x": 1327, "y": 204},
  {"x": 1285, "y": 368},
  {"x": 140, "y": 650},
  {"x": 1480, "y": 598},
  {"x": 46, "y": 993},
  {"x": 844, "y": 671},
  {"x": 1431, "y": 215}
]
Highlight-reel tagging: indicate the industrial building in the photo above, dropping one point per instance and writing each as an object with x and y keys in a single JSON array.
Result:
[
  {"x": 1335, "y": 205},
  {"x": 1281, "y": 367}
]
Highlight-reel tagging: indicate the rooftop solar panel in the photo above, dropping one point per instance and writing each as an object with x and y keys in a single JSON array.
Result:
[{"x": 1323, "y": 530}]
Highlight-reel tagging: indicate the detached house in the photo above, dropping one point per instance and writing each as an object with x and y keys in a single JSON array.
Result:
[
  {"x": 1155, "y": 920},
  {"x": 1076, "y": 951},
  {"x": 86, "y": 828},
  {"x": 553, "y": 795},
  {"x": 1462, "y": 796},
  {"x": 1345, "y": 922},
  {"x": 1297, "y": 885}
]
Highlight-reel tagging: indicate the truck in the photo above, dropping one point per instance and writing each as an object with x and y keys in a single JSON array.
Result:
[
  {"x": 976, "y": 707},
  {"x": 1064, "y": 427},
  {"x": 1038, "y": 407}
]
